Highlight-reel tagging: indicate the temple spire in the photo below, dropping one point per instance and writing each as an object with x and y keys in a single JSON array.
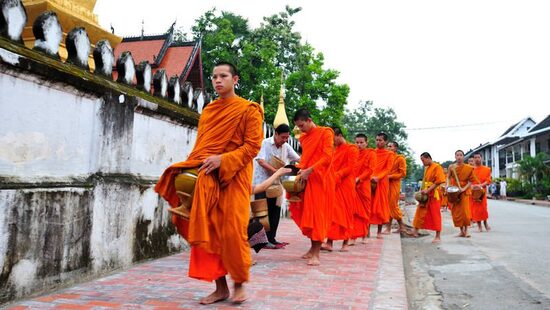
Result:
[{"x": 280, "y": 116}]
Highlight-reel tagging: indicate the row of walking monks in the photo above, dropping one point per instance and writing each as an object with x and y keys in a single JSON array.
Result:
[
  {"x": 338, "y": 202},
  {"x": 350, "y": 187}
]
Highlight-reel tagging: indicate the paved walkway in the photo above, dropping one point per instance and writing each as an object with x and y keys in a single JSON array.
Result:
[{"x": 368, "y": 277}]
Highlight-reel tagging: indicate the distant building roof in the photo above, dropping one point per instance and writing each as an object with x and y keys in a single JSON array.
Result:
[
  {"x": 176, "y": 58},
  {"x": 545, "y": 123}
]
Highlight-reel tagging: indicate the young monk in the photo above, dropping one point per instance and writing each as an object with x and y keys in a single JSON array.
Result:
[
  {"x": 229, "y": 137},
  {"x": 461, "y": 210},
  {"x": 380, "y": 213},
  {"x": 483, "y": 179},
  {"x": 363, "y": 171},
  {"x": 397, "y": 173},
  {"x": 348, "y": 217},
  {"x": 428, "y": 214},
  {"x": 313, "y": 215}
]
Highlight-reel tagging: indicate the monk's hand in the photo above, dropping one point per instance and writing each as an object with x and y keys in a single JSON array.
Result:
[
  {"x": 424, "y": 192},
  {"x": 304, "y": 173},
  {"x": 211, "y": 163},
  {"x": 375, "y": 179},
  {"x": 357, "y": 180}
]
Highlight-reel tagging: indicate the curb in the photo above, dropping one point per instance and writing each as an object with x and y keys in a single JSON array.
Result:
[{"x": 390, "y": 292}]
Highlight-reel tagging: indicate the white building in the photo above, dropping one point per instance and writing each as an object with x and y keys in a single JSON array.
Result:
[{"x": 521, "y": 139}]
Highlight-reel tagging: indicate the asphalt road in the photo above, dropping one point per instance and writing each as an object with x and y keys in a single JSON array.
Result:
[{"x": 507, "y": 268}]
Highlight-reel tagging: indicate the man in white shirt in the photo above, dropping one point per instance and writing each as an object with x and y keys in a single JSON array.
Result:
[{"x": 273, "y": 146}]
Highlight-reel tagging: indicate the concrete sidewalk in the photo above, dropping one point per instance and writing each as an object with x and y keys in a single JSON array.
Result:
[{"x": 369, "y": 276}]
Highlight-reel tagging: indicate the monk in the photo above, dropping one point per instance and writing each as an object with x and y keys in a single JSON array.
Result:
[
  {"x": 461, "y": 209},
  {"x": 363, "y": 171},
  {"x": 428, "y": 214},
  {"x": 229, "y": 137},
  {"x": 397, "y": 173},
  {"x": 380, "y": 212},
  {"x": 483, "y": 179},
  {"x": 444, "y": 200},
  {"x": 313, "y": 215},
  {"x": 349, "y": 219}
]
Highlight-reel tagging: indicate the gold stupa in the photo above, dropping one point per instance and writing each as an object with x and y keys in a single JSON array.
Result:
[
  {"x": 280, "y": 116},
  {"x": 71, "y": 14}
]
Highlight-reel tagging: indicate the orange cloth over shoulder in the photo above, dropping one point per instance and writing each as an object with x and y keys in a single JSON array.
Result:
[
  {"x": 363, "y": 170},
  {"x": 429, "y": 216},
  {"x": 380, "y": 212},
  {"x": 312, "y": 214},
  {"x": 398, "y": 172},
  {"x": 461, "y": 210},
  {"x": 343, "y": 212},
  {"x": 479, "y": 208},
  {"x": 217, "y": 229}
]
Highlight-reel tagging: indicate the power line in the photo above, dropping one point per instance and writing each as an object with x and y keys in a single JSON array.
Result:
[{"x": 454, "y": 126}]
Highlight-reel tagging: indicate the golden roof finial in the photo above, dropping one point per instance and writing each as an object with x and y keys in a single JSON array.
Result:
[{"x": 280, "y": 116}]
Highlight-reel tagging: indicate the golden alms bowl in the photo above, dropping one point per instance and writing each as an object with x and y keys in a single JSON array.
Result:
[
  {"x": 185, "y": 187},
  {"x": 293, "y": 185},
  {"x": 421, "y": 198},
  {"x": 186, "y": 180}
]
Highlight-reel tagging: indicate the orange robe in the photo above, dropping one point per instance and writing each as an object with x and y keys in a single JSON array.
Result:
[
  {"x": 398, "y": 172},
  {"x": 479, "y": 208},
  {"x": 217, "y": 229},
  {"x": 380, "y": 212},
  {"x": 461, "y": 210},
  {"x": 312, "y": 215},
  {"x": 363, "y": 170},
  {"x": 428, "y": 216},
  {"x": 444, "y": 200},
  {"x": 346, "y": 205}
]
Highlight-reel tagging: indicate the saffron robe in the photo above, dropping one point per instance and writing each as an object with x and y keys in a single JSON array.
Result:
[
  {"x": 428, "y": 216},
  {"x": 479, "y": 208},
  {"x": 461, "y": 210},
  {"x": 398, "y": 172},
  {"x": 380, "y": 212},
  {"x": 363, "y": 171},
  {"x": 312, "y": 215},
  {"x": 217, "y": 229},
  {"x": 345, "y": 205}
]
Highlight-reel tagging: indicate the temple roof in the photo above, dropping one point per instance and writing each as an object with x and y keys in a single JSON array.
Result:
[{"x": 176, "y": 58}]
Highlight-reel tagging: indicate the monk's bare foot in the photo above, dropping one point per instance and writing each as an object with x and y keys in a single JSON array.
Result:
[
  {"x": 487, "y": 227},
  {"x": 308, "y": 255},
  {"x": 364, "y": 241},
  {"x": 386, "y": 232},
  {"x": 326, "y": 247},
  {"x": 467, "y": 236},
  {"x": 345, "y": 248},
  {"x": 215, "y": 297},
  {"x": 313, "y": 261},
  {"x": 479, "y": 229},
  {"x": 460, "y": 235},
  {"x": 379, "y": 236},
  {"x": 239, "y": 294},
  {"x": 351, "y": 242},
  {"x": 436, "y": 240}
]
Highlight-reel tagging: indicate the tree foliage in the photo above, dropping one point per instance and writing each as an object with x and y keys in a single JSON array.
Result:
[
  {"x": 265, "y": 54},
  {"x": 370, "y": 120}
]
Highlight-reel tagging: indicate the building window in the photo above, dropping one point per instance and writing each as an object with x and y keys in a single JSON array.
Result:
[{"x": 537, "y": 147}]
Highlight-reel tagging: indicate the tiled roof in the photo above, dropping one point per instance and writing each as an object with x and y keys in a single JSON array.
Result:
[
  {"x": 542, "y": 124},
  {"x": 141, "y": 50},
  {"x": 175, "y": 59}
]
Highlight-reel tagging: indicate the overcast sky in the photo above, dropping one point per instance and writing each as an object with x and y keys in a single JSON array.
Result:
[{"x": 457, "y": 73}]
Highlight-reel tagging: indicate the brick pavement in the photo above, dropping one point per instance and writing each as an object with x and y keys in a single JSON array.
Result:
[{"x": 369, "y": 276}]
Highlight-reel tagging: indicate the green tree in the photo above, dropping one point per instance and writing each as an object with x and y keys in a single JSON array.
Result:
[
  {"x": 266, "y": 53},
  {"x": 535, "y": 173},
  {"x": 370, "y": 120}
]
